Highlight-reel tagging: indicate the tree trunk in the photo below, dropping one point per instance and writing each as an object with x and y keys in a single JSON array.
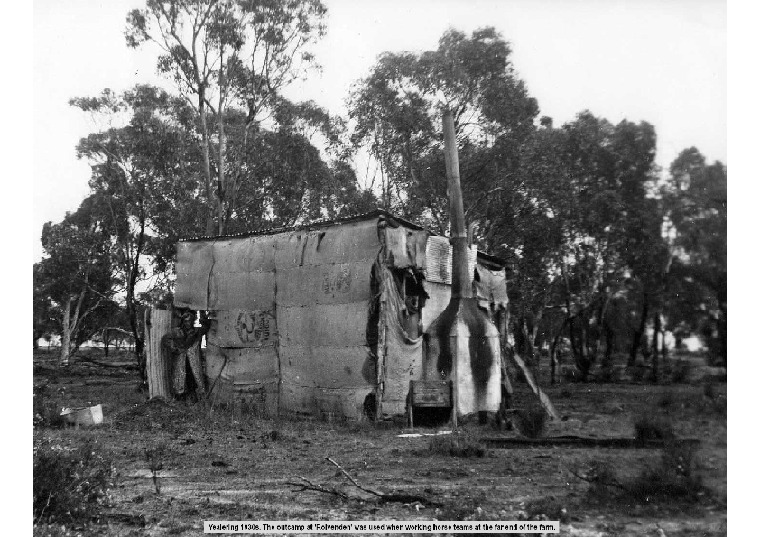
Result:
[
  {"x": 581, "y": 361},
  {"x": 527, "y": 349},
  {"x": 609, "y": 344},
  {"x": 66, "y": 333},
  {"x": 132, "y": 311},
  {"x": 534, "y": 336},
  {"x": 206, "y": 152},
  {"x": 655, "y": 344},
  {"x": 638, "y": 334},
  {"x": 553, "y": 351},
  {"x": 221, "y": 183},
  {"x": 106, "y": 340}
]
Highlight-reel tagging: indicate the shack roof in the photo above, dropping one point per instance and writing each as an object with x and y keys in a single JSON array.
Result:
[{"x": 487, "y": 259}]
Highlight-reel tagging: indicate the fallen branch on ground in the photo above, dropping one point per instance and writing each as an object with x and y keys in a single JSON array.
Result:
[
  {"x": 393, "y": 497},
  {"x": 382, "y": 497},
  {"x": 316, "y": 488}
]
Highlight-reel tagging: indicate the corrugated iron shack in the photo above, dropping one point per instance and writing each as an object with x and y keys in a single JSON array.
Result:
[{"x": 328, "y": 317}]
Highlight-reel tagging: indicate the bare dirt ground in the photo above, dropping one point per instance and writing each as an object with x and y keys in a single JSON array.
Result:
[{"x": 227, "y": 464}]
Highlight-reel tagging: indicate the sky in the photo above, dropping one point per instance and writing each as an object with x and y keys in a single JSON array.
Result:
[{"x": 663, "y": 62}]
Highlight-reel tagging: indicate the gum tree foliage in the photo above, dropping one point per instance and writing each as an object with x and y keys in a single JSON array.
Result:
[
  {"x": 144, "y": 182},
  {"x": 576, "y": 217},
  {"x": 568, "y": 207},
  {"x": 76, "y": 274},
  {"x": 147, "y": 179},
  {"x": 397, "y": 114},
  {"x": 293, "y": 182},
  {"x": 46, "y": 317},
  {"x": 226, "y": 56},
  {"x": 697, "y": 203}
]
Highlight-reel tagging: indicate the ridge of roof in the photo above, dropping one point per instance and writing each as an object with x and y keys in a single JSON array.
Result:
[
  {"x": 308, "y": 225},
  {"x": 378, "y": 212}
]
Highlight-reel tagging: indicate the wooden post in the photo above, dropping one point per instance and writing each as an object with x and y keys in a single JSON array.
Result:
[{"x": 158, "y": 368}]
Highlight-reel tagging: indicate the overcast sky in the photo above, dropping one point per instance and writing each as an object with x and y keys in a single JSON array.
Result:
[{"x": 663, "y": 62}]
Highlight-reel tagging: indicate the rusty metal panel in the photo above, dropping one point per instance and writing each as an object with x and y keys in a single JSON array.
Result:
[
  {"x": 251, "y": 366},
  {"x": 194, "y": 262},
  {"x": 247, "y": 376},
  {"x": 327, "y": 366},
  {"x": 405, "y": 247},
  {"x": 241, "y": 291},
  {"x": 351, "y": 242},
  {"x": 340, "y": 283},
  {"x": 249, "y": 254},
  {"x": 355, "y": 241},
  {"x": 438, "y": 255},
  {"x": 323, "y": 324},
  {"x": 242, "y": 367},
  {"x": 242, "y": 328},
  {"x": 324, "y": 402}
]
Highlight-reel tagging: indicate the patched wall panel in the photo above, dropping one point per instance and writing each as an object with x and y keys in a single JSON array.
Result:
[
  {"x": 324, "y": 402},
  {"x": 405, "y": 247},
  {"x": 340, "y": 283},
  {"x": 351, "y": 242},
  {"x": 327, "y": 367},
  {"x": 324, "y": 324},
  {"x": 242, "y": 291},
  {"x": 249, "y": 254},
  {"x": 242, "y": 328},
  {"x": 194, "y": 262}
]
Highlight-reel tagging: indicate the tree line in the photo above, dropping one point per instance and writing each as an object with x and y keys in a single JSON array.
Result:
[{"x": 600, "y": 246}]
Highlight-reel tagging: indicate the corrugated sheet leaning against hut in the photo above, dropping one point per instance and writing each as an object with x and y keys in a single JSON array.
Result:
[{"x": 326, "y": 318}]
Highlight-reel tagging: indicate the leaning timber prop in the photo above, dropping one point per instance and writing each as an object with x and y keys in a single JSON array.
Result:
[{"x": 542, "y": 397}]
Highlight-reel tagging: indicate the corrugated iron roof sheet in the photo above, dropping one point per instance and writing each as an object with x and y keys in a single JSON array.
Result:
[
  {"x": 314, "y": 224},
  {"x": 332, "y": 222}
]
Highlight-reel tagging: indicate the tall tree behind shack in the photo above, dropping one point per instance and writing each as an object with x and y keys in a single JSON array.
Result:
[
  {"x": 697, "y": 204},
  {"x": 569, "y": 207},
  {"x": 396, "y": 110},
  {"x": 139, "y": 172},
  {"x": 76, "y": 273},
  {"x": 226, "y": 54}
]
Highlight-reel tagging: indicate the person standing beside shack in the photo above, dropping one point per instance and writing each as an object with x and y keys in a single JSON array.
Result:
[{"x": 182, "y": 347}]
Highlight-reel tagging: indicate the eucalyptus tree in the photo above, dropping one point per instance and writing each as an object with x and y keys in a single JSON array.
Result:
[
  {"x": 144, "y": 182},
  {"x": 396, "y": 110},
  {"x": 45, "y": 315},
  {"x": 223, "y": 55},
  {"x": 697, "y": 203},
  {"x": 570, "y": 208},
  {"x": 75, "y": 273}
]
